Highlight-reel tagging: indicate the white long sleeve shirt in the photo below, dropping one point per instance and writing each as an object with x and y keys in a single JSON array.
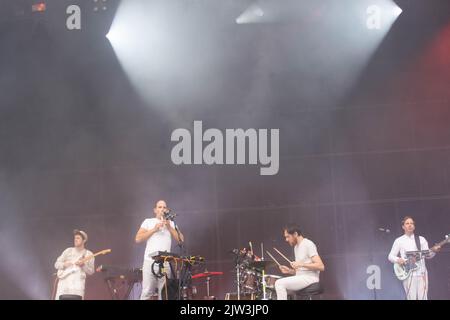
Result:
[
  {"x": 74, "y": 283},
  {"x": 407, "y": 243}
]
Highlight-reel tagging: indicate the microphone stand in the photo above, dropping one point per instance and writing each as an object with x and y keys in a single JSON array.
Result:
[
  {"x": 238, "y": 280},
  {"x": 181, "y": 247},
  {"x": 263, "y": 274},
  {"x": 372, "y": 262},
  {"x": 384, "y": 231}
]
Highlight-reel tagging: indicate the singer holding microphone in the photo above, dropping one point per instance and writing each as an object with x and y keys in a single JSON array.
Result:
[{"x": 158, "y": 233}]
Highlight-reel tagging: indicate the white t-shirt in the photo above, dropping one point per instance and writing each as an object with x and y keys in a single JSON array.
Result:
[
  {"x": 304, "y": 251},
  {"x": 160, "y": 240}
]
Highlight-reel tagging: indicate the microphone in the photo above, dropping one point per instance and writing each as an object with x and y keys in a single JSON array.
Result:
[
  {"x": 385, "y": 230},
  {"x": 168, "y": 215}
]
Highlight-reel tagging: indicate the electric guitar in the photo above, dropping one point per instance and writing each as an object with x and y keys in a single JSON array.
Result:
[
  {"x": 61, "y": 274},
  {"x": 403, "y": 271}
]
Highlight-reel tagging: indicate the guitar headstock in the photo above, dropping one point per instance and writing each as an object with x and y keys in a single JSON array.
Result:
[
  {"x": 105, "y": 251},
  {"x": 447, "y": 238}
]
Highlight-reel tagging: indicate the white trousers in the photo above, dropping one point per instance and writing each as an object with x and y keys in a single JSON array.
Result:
[
  {"x": 151, "y": 285},
  {"x": 294, "y": 283},
  {"x": 416, "y": 287}
]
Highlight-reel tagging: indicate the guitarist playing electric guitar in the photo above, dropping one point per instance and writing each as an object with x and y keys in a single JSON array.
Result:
[
  {"x": 71, "y": 286},
  {"x": 416, "y": 284}
]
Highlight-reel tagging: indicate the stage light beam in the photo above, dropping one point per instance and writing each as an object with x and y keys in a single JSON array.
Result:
[{"x": 253, "y": 14}]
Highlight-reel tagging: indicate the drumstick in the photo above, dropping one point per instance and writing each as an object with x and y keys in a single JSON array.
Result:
[
  {"x": 251, "y": 247},
  {"x": 273, "y": 258},
  {"x": 282, "y": 255}
]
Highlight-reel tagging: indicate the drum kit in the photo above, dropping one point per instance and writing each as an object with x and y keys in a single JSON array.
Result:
[{"x": 252, "y": 281}]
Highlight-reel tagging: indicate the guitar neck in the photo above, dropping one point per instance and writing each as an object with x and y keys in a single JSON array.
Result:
[
  {"x": 87, "y": 258},
  {"x": 91, "y": 256},
  {"x": 440, "y": 244}
]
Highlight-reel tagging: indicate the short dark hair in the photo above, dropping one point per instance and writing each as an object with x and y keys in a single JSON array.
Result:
[
  {"x": 406, "y": 218},
  {"x": 292, "y": 228}
]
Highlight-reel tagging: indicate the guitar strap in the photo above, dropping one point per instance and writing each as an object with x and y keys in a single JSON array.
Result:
[{"x": 417, "y": 239}]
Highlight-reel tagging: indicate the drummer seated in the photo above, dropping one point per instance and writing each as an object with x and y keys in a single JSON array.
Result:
[
  {"x": 297, "y": 285},
  {"x": 306, "y": 268}
]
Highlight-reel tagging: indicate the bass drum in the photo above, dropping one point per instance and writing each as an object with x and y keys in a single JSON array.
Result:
[{"x": 250, "y": 283}]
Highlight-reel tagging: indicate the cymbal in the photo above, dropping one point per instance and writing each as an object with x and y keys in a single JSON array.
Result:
[
  {"x": 261, "y": 264},
  {"x": 207, "y": 274}
]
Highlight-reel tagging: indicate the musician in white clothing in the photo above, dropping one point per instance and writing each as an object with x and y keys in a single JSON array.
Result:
[
  {"x": 72, "y": 286},
  {"x": 416, "y": 285},
  {"x": 304, "y": 270},
  {"x": 158, "y": 233}
]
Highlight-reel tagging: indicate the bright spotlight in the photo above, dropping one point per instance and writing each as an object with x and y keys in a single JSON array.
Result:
[
  {"x": 110, "y": 35},
  {"x": 253, "y": 14},
  {"x": 397, "y": 11},
  {"x": 381, "y": 16}
]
